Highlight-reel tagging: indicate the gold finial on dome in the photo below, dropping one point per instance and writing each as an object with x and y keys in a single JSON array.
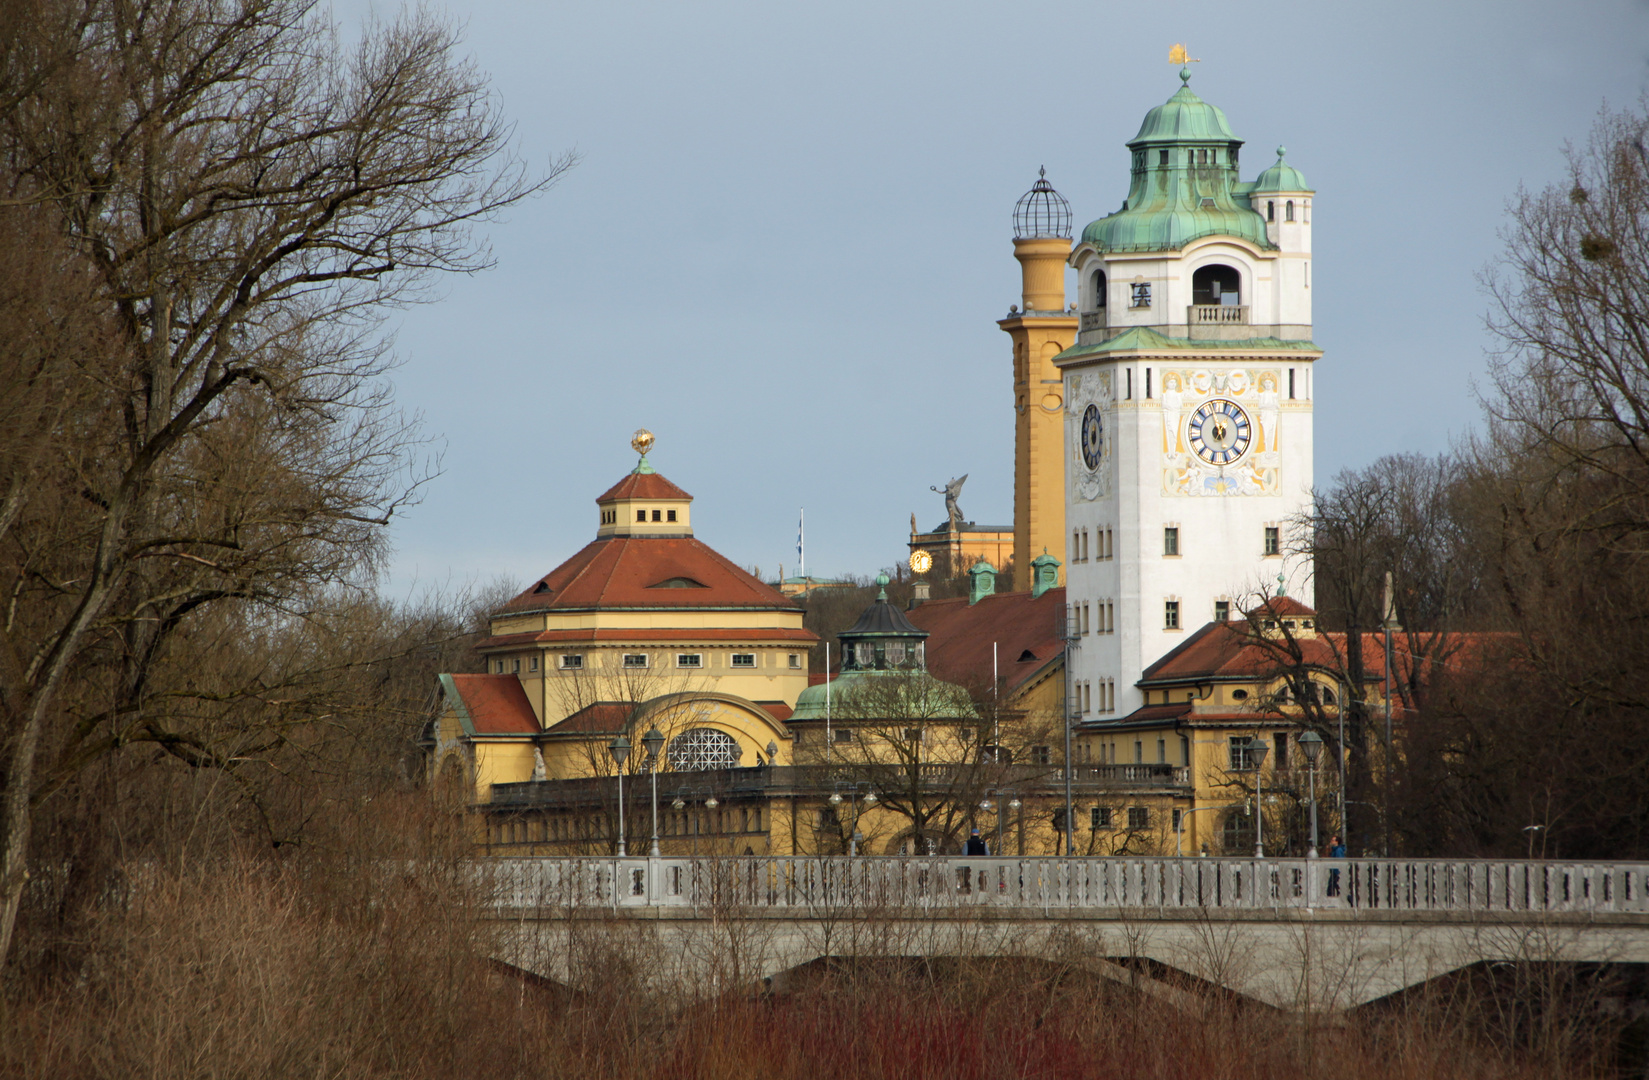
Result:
[{"x": 641, "y": 441}]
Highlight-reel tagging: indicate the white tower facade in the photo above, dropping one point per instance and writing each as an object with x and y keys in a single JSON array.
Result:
[{"x": 1188, "y": 401}]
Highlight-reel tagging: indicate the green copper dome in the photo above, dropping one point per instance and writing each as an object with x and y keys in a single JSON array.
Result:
[
  {"x": 1182, "y": 187},
  {"x": 1280, "y": 177}
]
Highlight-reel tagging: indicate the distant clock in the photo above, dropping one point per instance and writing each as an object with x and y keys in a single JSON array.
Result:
[
  {"x": 1093, "y": 437},
  {"x": 1219, "y": 431},
  {"x": 921, "y": 562}
]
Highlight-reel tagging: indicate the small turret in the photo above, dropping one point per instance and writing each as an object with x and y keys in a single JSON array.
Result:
[{"x": 1041, "y": 243}]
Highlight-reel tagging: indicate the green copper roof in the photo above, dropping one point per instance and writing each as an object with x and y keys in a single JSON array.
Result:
[
  {"x": 1184, "y": 172},
  {"x": 1145, "y": 339},
  {"x": 885, "y": 695},
  {"x": 1280, "y": 177}
]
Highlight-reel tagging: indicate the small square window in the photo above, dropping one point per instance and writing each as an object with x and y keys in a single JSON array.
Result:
[
  {"x": 635, "y": 659},
  {"x": 572, "y": 661},
  {"x": 1222, "y": 611},
  {"x": 1139, "y": 817},
  {"x": 1170, "y": 540},
  {"x": 641, "y": 515},
  {"x": 657, "y": 516},
  {"x": 1100, "y": 817},
  {"x": 1041, "y": 755},
  {"x": 669, "y": 515},
  {"x": 795, "y": 660},
  {"x": 1170, "y": 615},
  {"x": 1273, "y": 540},
  {"x": 689, "y": 659},
  {"x": 744, "y": 659},
  {"x": 843, "y": 734}
]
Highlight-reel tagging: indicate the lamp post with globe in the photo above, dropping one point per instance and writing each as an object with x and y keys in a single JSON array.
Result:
[
  {"x": 619, "y": 748},
  {"x": 1257, "y": 749}
]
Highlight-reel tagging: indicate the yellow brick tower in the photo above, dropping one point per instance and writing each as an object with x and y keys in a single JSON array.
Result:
[{"x": 1041, "y": 329}]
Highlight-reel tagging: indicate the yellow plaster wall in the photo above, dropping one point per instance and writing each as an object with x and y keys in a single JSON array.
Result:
[{"x": 1039, "y": 434}]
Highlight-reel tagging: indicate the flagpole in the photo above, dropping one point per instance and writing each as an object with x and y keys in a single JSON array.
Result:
[{"x": 801, "y": 558}]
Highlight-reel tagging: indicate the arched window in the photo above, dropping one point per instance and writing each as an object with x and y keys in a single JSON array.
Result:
[
  {"x": 1288, "y": 210},
  {"x": 699, "y": 749},
  {"x": 1271, "y": 209},
  {"x": 1099, "y": 289},
  {"x": 1216, "y": 284}
]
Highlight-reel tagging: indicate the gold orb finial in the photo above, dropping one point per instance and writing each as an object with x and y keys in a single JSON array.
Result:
[{"x": 641, "y": 441}]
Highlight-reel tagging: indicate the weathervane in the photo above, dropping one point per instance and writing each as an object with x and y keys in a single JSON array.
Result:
[{"x": 1178, "y": 55}]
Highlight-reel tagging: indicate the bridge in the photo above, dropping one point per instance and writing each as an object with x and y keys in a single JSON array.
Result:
[{"x": 1316, "y": 935}]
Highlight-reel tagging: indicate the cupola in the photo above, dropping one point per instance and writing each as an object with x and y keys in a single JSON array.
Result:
[
  {"x": 883, "y": 639},
  {"x": 1041, "y": 243},
  {"x": 644, "y": 503}
]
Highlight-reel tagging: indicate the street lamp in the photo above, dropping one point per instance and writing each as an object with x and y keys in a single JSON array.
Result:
[
  {"x": 654, "y": 741},
  {"x": 620, "y": 749},
  {"x": 1311, "y": 745},
  {"x": 1256, "y": 753},
  {"x": 854, "y": 800}
]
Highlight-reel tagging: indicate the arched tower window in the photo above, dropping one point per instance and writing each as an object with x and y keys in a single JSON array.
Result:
[
  {"x": 699, "y": 749},
  {"x": 1216, "y": 284},
  {"x": 1099, "y": 289},
  {"x": 1288, "y": 210}
]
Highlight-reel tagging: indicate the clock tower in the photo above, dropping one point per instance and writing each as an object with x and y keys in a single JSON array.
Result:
[
  {"x": 1187, "y": 399},
  {"x": 1040, "y": 330}
]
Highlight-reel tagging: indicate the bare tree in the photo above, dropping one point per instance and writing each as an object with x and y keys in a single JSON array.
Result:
[{"x": 244, "y": 199}]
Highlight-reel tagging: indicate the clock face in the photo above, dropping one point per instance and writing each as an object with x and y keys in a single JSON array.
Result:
[
  {"x": 1093, "y": 437},
  {"x": 1219, "y": 431},
  {"x": 921, "y": 562}
]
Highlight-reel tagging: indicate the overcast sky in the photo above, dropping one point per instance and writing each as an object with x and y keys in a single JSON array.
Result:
[{"x": 789, "y": 237}]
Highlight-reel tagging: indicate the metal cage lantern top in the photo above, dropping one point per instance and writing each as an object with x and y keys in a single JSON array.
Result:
[{"x": 1042, "y": 212}]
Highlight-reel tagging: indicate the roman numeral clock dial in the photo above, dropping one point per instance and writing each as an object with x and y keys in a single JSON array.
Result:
[{"x": 1219, "y": 432}]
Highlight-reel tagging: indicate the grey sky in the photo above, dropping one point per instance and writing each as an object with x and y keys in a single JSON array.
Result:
[{"x": 789, "y": 240}]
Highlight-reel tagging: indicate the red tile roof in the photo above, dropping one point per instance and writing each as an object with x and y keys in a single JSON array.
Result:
[
  {"x": 644, "y": 486},
  {"x": 656, "y": 635},
  {"x": 1284, "y": 606},
  {"x": 778, "y": 710},
  {"x": 632, "y": 572},
  {"x": 1025, "y": 632},
  {"x": 1228, "y": 651},
  {"x": 600, "y": 717},
  {"x": 493, "y": 704}
]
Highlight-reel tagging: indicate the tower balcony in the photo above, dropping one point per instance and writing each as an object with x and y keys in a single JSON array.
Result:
[{"x": 1217, "y": 315}]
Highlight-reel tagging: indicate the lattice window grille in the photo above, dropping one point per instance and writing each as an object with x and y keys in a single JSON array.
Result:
[{"x": 701, "y": 749}]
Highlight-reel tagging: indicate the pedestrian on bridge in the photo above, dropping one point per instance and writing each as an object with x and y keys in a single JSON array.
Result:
[
  {"x": 1336, "y": 850},
  {"x": 977, "y": 845}
]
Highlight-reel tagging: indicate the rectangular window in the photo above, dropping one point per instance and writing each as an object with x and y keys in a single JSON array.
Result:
[
  {"x": 1184, "y": 750},
  {"x": 656, "y": 515},
  {"x": 515, "y": 666},
  {"x": 532, "y": 665},
  {"x": 1142, "y": 299},
  {"x": 913, "y": 734},
  {"x": 500, "y": 670},
  {"x": 1222, "y": 610},
  {"x": 744, "y": 659},
  {"x": 844, "y": 734},
  {"x": 689, "y": 659},
  {"x": 572, "y": 661},
  {"x": 1176, "y": 819},
  {"x": 1100, "y": 817},
  {"x": 1139, "y": 752},
  {"x": 1170, "y": 540},
  {"x": 1240, "y": 759},
  {"x": 641, "y": 515},
  {"x": 1279, "y": 751},
  {"x": 1162, "y": 751},
  {"x": 1291, "y": 384},
  {"x": 1273, "y": 540},
  {"x": 1147, "y": 384},
  {"x": 1139, "y": 817},
  {"x": 795, "y": 660},
  {"x": 1162, "y": 159},
  {"x": 1170, "y": 615},
  {"x": 635, "y": 659},
  {"x": 669, "y": 515},
  {"x": 1041, "y": 755},
  {"x": 1129, "y": 373}
]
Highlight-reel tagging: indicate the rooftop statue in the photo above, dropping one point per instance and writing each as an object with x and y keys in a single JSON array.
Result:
[{"x": 950, "y": 491}]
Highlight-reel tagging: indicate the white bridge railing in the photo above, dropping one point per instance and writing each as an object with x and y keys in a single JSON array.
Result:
[{"x": 807, "y": 885}]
